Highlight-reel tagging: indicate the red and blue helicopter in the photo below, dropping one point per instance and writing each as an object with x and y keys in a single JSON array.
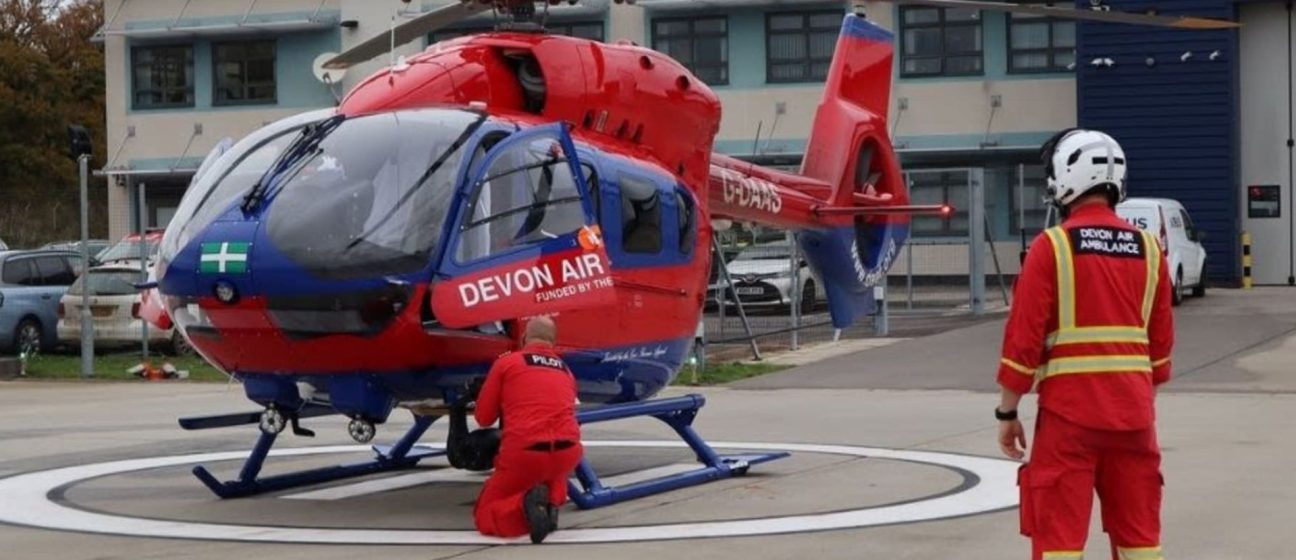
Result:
[{"x": 382, "y": 254}]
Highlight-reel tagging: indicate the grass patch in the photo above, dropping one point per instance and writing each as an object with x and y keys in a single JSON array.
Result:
[
  {"x": 725, "y": 372},
  {"x": 114, "y": 366}
]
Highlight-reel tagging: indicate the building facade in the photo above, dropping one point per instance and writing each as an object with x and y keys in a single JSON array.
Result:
[{"x": 974, "y": 91}]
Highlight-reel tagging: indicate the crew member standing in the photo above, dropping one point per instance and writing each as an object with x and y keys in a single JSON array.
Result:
[
  {"x": 1091, "y": 321},
  {"x": 534, "y": 395}
]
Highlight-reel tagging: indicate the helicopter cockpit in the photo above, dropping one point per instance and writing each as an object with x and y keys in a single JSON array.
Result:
[{"x": 328, "y": 204}]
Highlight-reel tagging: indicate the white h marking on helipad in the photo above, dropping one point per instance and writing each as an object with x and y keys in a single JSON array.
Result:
[
  {"x": 367, "y": 487},
  {"x": 447, "y": 474}
]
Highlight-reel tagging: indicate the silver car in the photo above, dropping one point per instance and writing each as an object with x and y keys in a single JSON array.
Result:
[
  {"x": 114, "y": 311},
  {"x": 762, "y": 276}
]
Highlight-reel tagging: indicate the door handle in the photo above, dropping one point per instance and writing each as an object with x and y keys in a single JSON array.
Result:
[{"x": 46, "y": 296}]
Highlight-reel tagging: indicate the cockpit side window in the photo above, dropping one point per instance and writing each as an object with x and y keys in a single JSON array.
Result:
[
  {"x": 641, "y": 216},
  {"x": 687, "y": 222},
  {"x": 527, "y": 195}
]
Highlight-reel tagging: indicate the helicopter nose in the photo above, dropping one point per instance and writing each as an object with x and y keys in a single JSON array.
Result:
[{"x": 218, "y": 262}]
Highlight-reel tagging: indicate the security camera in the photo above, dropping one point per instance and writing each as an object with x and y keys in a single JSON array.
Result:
[{"x": 79, "y": 141}]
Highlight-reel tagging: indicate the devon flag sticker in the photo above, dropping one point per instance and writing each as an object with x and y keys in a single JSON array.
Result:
[{"x": 224, "y": 258}]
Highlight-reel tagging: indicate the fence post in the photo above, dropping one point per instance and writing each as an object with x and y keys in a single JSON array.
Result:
[
  {"x": 141, "y": 210},
  {"x": 742, "y": 314},
  {"x": 882, "y": 321},
  {"x": 87, "y": 326},
  {"x": 976, "y": 239},
  {"x": 794, "y": 288},
  {"x": 909, "y": 249}
]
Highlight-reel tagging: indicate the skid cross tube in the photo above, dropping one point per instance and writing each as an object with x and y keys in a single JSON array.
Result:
[
  {"x": 589, "y": 492},
  {"x": 678, "y": 413},
  {"x": 402, "y": 455}
]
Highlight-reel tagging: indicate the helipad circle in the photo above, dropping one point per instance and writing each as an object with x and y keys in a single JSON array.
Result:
[{"x": 25, "y": 500}]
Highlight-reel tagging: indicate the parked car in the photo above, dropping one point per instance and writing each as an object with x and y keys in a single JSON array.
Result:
[
  {"x": 31, "y": 283},
  {"x": 762, "y": 276},
  {"x": 96, "y": 246},
  {"x": 128, "y": 249},
  {"x": 115, "y": 305},
  {"x": 1180, "y": 240}
]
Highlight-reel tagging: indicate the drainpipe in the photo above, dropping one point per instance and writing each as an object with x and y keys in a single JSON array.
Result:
[{"x": 1291, "y": 163}]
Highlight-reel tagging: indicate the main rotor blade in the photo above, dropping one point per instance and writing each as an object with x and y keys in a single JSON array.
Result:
[
  {"x": 405, "y": 32},
  {"x": 1182, "y": 22}
]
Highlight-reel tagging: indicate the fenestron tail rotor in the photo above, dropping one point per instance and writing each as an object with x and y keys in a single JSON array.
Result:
[
  {"x": 1096, "y": 14},
  {"x": 406, "y": 32}
]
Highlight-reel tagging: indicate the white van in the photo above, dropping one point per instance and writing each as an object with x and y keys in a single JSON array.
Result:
[{"x": 1181, "y": 241}]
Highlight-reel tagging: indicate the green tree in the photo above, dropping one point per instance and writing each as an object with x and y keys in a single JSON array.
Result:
[{"x": 51, "y": 75}]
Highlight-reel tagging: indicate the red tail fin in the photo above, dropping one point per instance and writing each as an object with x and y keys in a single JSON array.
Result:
[{"x": 849, "y": 146}]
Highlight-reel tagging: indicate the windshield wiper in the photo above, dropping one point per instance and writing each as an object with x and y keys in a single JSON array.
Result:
[
  {"x": 306, "y": 142},
  {"x": 427, "y": 175}
]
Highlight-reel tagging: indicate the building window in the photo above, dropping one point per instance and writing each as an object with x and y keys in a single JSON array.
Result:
[
  {"x": 701, "y": 44},
  {"x": 940, "y": 42},
  {"x": 592, "y": 30},
  {"x": 244, "y": 73},
  {"x": 1040, "y": 44},
  {"x": 1028, "y": 199},
  {"x": 940, "y": 187},
  {"x": 162, "y": 77},
  {"x": 799, "y": 46}
]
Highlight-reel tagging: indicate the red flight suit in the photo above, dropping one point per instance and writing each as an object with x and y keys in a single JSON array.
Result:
[
  {"x": 1091, "y": 321},
  {"x": 536, "y": 395}
]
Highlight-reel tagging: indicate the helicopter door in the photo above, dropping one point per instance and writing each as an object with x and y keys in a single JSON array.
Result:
[{"x": 526, "y": 241}]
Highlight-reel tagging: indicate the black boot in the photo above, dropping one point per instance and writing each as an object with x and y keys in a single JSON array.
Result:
[{"x": 540, "y": 515}]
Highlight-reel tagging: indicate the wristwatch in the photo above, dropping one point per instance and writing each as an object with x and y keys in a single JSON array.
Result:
[{"x": 1005, "y": 416}]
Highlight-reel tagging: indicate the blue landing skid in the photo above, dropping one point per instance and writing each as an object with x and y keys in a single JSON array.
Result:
[
  {"x": 403, "y": 455},
  {"x": 678, "y": 413}
]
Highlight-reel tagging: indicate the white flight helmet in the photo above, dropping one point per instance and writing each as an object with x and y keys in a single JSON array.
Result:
[{"x": 1077, "y": 161}]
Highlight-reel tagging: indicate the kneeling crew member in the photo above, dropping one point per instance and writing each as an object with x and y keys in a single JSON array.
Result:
[
  {"x": 1091, "y": 321},
  {"x": 535, "y": 393}
]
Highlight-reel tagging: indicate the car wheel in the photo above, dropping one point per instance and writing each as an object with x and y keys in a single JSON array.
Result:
[
  {"x": 180, "y": 346},
  {"x": 1200, "y": 289},
  {"x": 28, "y": 336},
  {"x": 1176, "y": 289}
]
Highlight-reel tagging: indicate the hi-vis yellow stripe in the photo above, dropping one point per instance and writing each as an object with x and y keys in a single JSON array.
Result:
[
  {"x": 1153, "y": 272},
  {"x": 1065, "y": 555},
  {"x": 1017, "y": 367},
  {"x": 1098, "y": 364},
  {"x": 1146, "y": 553},
  {"x": 1065, "y": 277},
  {"x": 1097, "y": 335}
]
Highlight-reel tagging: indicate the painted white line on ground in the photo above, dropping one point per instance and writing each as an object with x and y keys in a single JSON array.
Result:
[
  {"x": 367, "y": 487},
  {"x": 448, "y": 474},
  {"x": 648, "y": 474},
  {"x": 24, "y": 500}
]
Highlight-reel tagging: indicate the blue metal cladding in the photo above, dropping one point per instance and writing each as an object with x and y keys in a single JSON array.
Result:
[{"x": 1176, "y": 117}]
